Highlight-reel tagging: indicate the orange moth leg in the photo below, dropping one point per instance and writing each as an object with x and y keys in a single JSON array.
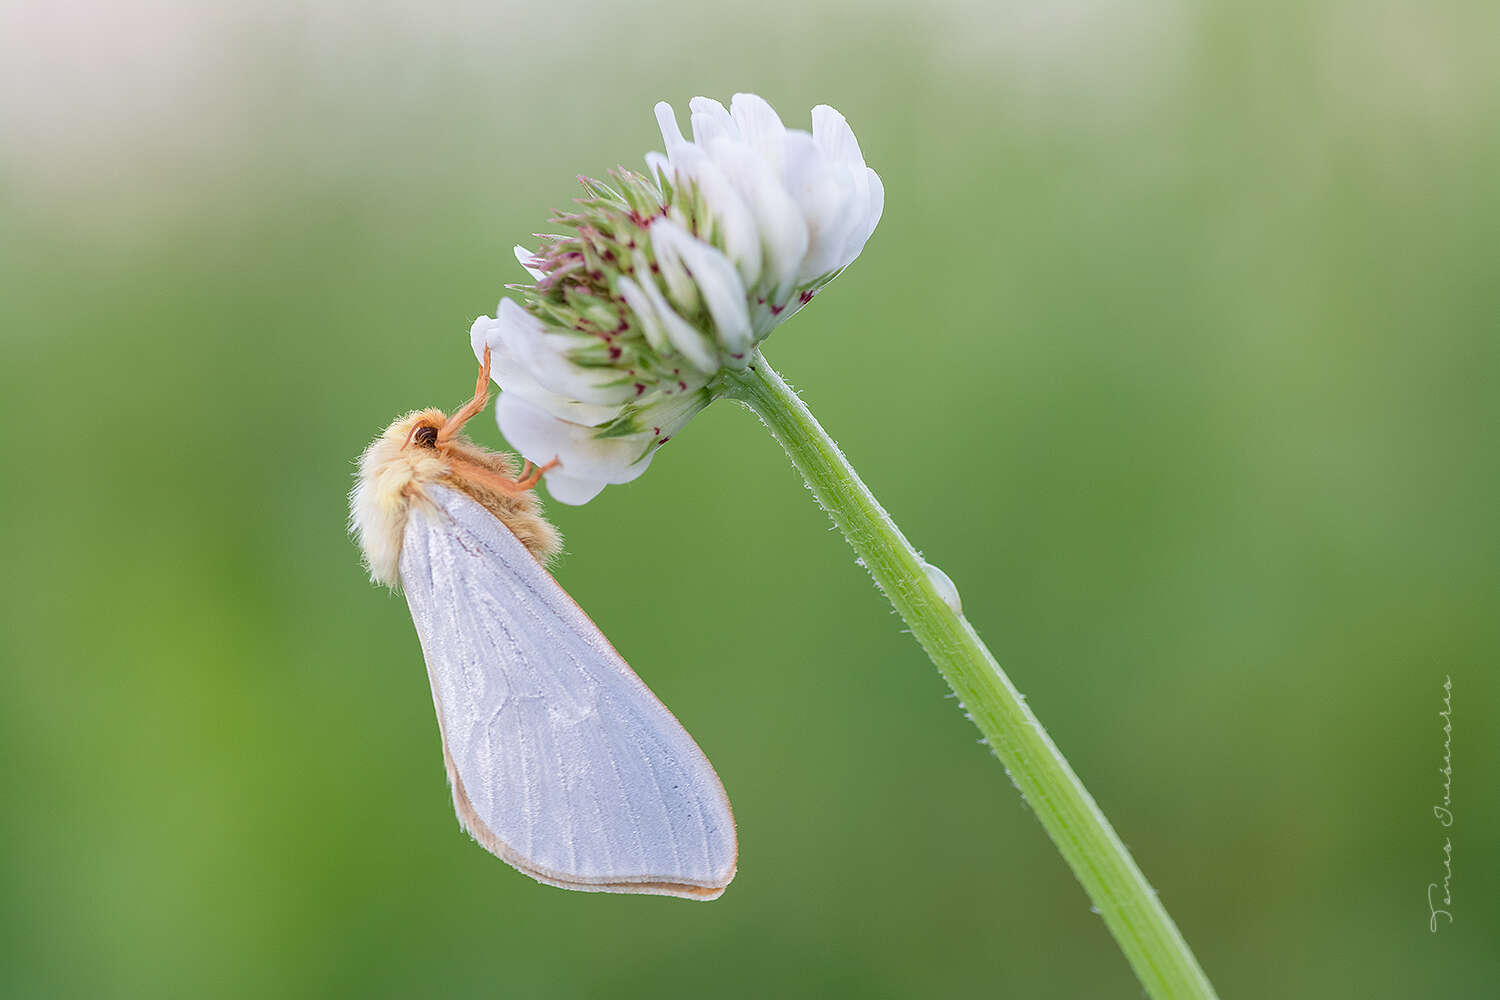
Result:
[
  {"x": 495, "y": 480},
  {"x": 530, "y": 477},
  {"x": 473, "y": 406}
]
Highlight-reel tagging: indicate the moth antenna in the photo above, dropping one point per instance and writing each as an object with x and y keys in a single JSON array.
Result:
[{"x": 473, "y": 406}]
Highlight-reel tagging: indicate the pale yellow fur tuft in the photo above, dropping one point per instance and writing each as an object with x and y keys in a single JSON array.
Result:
[{"x": 393, "y": 474}]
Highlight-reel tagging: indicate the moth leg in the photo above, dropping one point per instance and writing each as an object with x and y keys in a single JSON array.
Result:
[
  {"x": 473, "y": 406},
  {"x": 530, "y": 477},
  {"x": 499, "y": 482}
]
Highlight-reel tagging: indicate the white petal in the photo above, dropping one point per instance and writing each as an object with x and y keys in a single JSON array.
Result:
[
  {"x": 823, "y": 193},
  {"x": 644, "y": 309},
  {"x": 681, "y": 288},
  {"x": 484, "y": 333},
  {"x": 736, "y": 224},
  {"x": 710, "y": 120},
  {"x": 849, "y": 227},
  {"x": 572, "y": 490},
  {"x": 671, "y": 132},
  {"x": 759, "y": 126},
  {"x": 717, "y": 279},
  {"x": 667, "y": 416},
  {"x": 541, "y": 437},
  {"x": 560, "y": 407},
  {"x": 778, "y": 221},
  {"x": 874, "y": 206},
  {"x": 512, "y": 376},
  {"x": 835, "y": 138},
  {"x": 854, "y": 232},
  {"x": 543, "y": 356},
  {"x": 689, "y": 341},
  {"x": 525, "y": 257},
  {"x": 659, "y": 166}
]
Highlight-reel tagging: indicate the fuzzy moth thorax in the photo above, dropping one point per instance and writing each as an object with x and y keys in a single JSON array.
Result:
[{"x": 399, "y": 465}]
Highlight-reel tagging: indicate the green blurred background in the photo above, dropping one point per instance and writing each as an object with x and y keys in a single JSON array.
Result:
[{"x": 1176, "y": 348}]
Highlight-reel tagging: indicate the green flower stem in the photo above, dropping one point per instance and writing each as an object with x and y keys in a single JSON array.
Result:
[{"x": 1120, "y": 893}]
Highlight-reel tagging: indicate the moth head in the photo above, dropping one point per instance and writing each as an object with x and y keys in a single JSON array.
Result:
[
  {"x": 418, "y": 432},
  {"x": 392, "y": 473},
  {"x": 424, "y": 448}
]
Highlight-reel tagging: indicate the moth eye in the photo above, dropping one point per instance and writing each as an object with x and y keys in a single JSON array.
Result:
[{"x": 426, "y": 437}]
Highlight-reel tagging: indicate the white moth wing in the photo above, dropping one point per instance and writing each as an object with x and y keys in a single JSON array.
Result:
[{"x": 562, "y": 761}]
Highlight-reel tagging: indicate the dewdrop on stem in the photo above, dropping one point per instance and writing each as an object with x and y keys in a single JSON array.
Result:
[{"x": 944, "y": 586}]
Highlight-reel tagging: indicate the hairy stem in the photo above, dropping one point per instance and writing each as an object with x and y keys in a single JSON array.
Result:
[{"x": 1120, "y": 893}]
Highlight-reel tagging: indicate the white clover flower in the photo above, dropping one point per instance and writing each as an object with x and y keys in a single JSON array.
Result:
[{"x": 666, "y": 280}]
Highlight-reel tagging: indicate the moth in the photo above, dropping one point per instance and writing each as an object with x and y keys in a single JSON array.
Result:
[{"x": 560, "y": 759}]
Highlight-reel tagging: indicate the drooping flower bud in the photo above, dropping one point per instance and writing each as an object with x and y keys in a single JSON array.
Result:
[{"x": 662, "y": 281}]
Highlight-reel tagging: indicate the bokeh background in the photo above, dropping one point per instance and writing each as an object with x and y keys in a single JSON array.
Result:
[{"x": 1177, "y": 348}]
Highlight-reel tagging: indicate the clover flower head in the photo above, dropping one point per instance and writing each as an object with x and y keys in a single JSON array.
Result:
[{"x": 661, "y": 281}]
